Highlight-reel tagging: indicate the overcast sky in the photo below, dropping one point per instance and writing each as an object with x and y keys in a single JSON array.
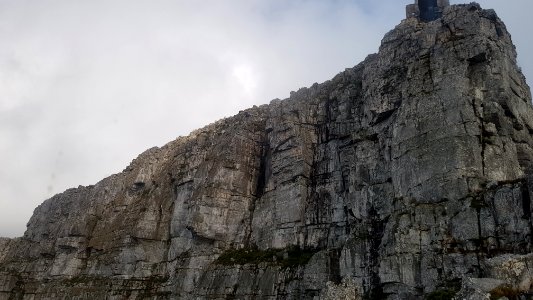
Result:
[{"x": 85, "y": 86}]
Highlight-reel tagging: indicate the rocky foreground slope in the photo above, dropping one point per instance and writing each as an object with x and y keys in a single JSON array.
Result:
[{"x": 407, "y": 176}]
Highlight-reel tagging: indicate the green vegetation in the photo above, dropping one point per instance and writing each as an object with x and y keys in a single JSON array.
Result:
[
  {"x": 246, "y": 256},
  {"x": 442, "y": 294},
  {"x": 288, "y": 257},
  {"x": 446, "y": 291},
  {"x": 297, "y": 257}
]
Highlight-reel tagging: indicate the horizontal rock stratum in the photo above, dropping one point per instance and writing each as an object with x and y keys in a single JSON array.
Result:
[{"x": 407, "y": 176}]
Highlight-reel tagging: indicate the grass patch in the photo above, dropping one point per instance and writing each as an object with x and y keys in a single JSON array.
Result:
[
  {"x": 446, "y": 291},
  {"x": 289, "y": 257},
  {"x": 246, "y": 256},
  {"x": 441, "y": 294}
]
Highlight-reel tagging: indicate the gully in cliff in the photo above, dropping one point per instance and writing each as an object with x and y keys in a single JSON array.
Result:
[{"x": 426, "y": 10}]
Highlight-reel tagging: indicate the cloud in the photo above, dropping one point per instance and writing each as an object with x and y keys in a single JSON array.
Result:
[{"x": 85, "y": 86}]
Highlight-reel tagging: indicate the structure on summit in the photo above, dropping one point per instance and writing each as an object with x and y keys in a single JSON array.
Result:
[{"x": 426, "y": 10}]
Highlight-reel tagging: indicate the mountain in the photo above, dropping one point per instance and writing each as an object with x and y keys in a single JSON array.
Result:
[{"x": 405, "y": 177}]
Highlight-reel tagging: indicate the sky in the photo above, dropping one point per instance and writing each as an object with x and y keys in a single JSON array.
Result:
[{"x": 86, "y": 86}]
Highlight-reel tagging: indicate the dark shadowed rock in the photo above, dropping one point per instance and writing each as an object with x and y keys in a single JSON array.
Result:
[{"x": 406, "y": 176}]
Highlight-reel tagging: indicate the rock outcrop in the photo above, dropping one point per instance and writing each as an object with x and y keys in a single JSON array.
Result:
[{"x": 407, "y": 176}]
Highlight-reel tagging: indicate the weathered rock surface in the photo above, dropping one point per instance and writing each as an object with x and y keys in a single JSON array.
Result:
[
  {"x": 511, "y": 276},
  {"x": 398, "y": 179}
]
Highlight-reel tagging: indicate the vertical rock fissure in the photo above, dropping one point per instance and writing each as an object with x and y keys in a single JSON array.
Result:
[
  {"x": 377, "y": 229},
  {"x": 334, "y": 266},
  {"x": 527, "y": 190},
  {"x": 495, "y": 217},
  {"x": 264, "y": 170},
  {"x": 174, "y": 188},
  {"x": 482, "y": 142},
  {"x": 265, "y": 162},
  {"x": 479, "y": 242}
]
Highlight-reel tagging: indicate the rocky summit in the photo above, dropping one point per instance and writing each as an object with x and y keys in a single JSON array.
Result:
[{"x": 408, "y": 176}]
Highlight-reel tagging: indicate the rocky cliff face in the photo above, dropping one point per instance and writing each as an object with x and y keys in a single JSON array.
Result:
[{"x": 404, "y": 177}]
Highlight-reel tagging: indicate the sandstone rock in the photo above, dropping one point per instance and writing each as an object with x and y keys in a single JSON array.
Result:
[{"x": 398, "y": 178}]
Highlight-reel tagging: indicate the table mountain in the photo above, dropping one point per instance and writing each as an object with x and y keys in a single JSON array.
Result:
[{"x": 407, "y": 176}]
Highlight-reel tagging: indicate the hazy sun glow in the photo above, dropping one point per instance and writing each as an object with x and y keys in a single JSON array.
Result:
[{"x": 246, "y": 77}]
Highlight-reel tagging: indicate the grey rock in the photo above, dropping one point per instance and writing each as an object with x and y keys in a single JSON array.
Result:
[
  {"x": 507, "y": 275},
  {"x": 479, "y": 288},
  {"x": 400, "y": 177}
]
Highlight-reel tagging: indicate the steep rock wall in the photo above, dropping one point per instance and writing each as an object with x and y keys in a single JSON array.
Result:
[{"x": 401, "y": 176}]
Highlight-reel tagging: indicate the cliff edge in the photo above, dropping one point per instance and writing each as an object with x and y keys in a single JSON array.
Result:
[{"x": 407, "y": 176}]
